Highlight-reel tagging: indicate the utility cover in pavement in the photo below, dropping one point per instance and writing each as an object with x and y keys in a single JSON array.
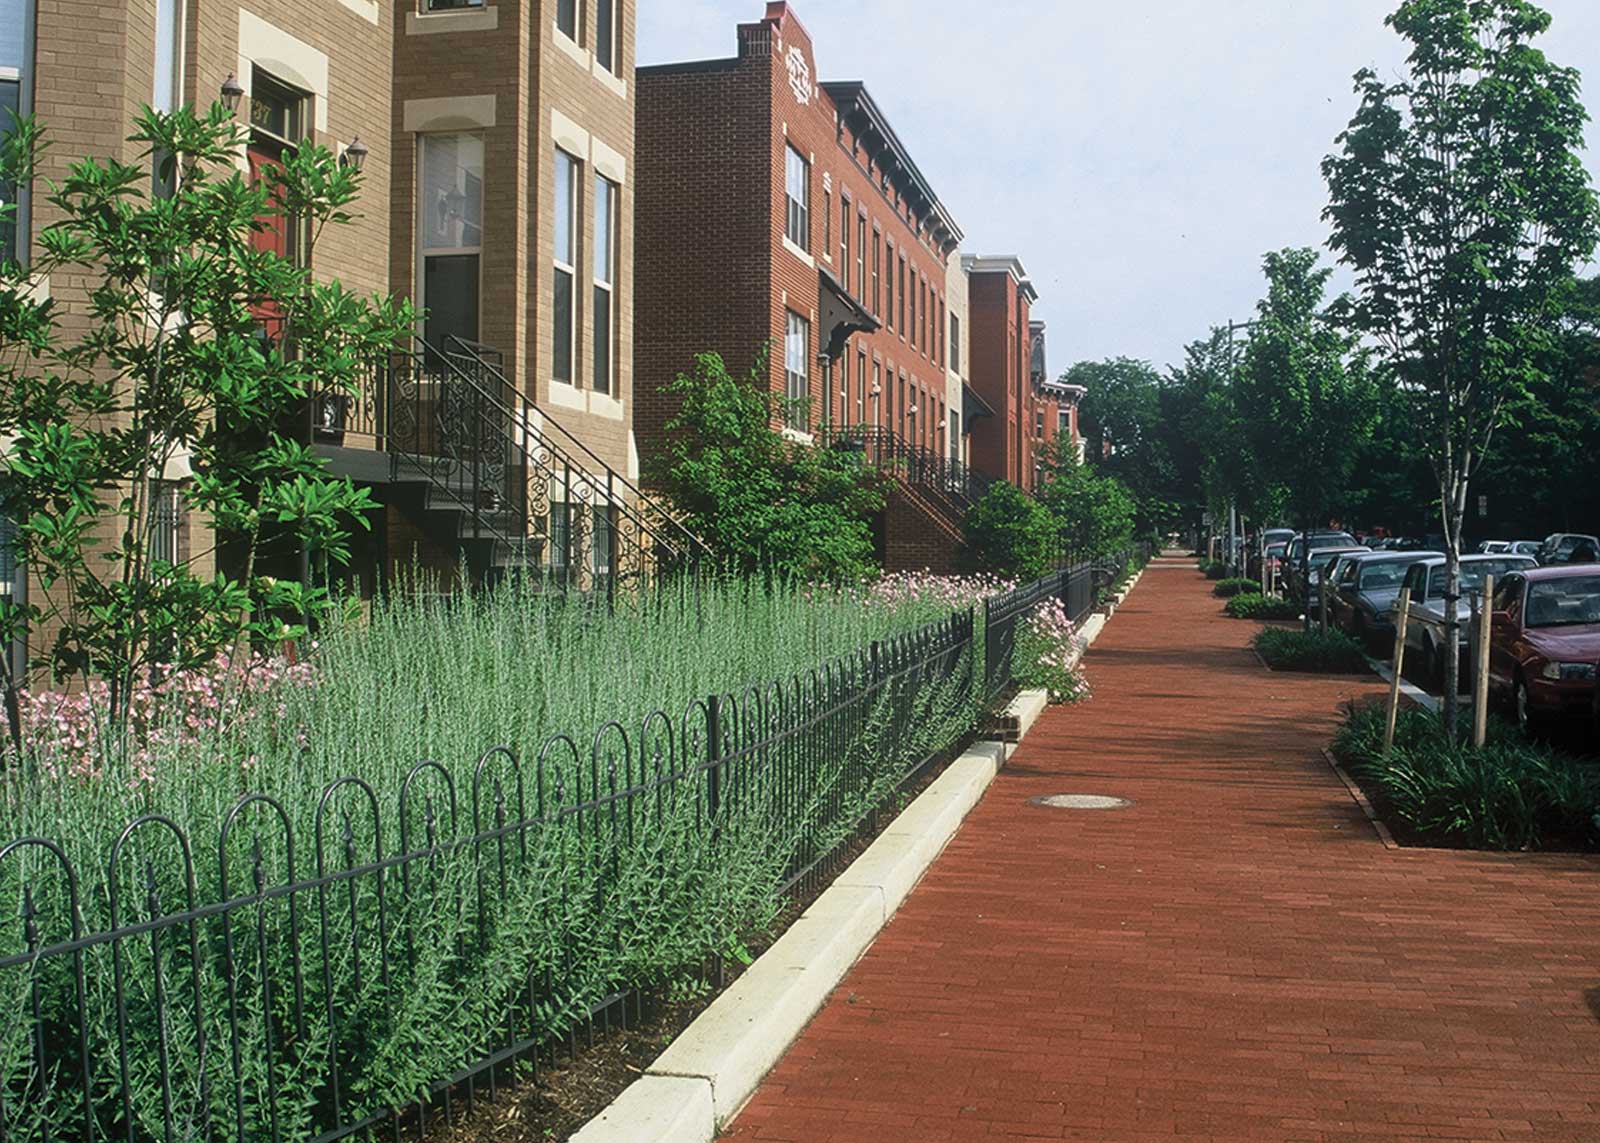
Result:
[{"x": 1080, "y": 802}]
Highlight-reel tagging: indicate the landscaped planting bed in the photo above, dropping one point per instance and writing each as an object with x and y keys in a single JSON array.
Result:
[
  {"x": 485, "y": 882},
  {"x": 1258, "y": 606},
  {"x": 1509, "y": 794},
  {"x": 1327, "y": 652}
]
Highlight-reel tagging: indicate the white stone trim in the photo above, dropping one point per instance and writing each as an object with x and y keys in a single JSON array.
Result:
[
  {"x": 449, "y": 113},
  {"x": 458, "y": 20},
  {"x": 603, "y": 405},
  {"x": 789, "y": 245},
  {"x": 612, "y": 164},
  {"x": 633, "y": 456},
  {"x": 567, "y": 396},
  {"x": 566, "y": 43},
  {"x": 366, "y": 9},
  {"x": 798, "y": 436},
  {"x": 569, "y": 136},
  {"x": 294, "y": 61},
  {"x": 615, "y": 84}
]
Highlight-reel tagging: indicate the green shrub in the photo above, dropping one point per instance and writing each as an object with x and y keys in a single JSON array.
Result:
[
  {"x": 1328, "y": 652},
  {"x": 636, "y": 894},
  {"x": 1010, "y": 534},
  {"x": 1508, "y": 794},
  {"x": 1213, "y": 569},
  {"x": 1258, "y": 606},
  {"x": 1228, "y": 588}
]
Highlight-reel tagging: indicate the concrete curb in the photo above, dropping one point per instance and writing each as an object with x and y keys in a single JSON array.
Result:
[
  {"x": 1360, "y": 797},
  {"x": 699, "y": 1083}
]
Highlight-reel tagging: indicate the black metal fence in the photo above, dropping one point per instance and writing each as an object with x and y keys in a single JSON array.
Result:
[{"x": 401, "y": 952}]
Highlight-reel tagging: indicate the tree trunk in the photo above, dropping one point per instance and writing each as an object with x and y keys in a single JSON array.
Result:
[
  {"x": 1454, "y": 517},
  {"x": 1305, "y": 568}
]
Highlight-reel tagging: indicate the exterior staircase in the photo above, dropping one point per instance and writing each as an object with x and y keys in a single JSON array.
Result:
[
  {"x": 501, "y": 481},
  {"x": 924, "y": 524}
]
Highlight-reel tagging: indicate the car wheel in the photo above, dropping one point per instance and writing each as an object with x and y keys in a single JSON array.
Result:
[{"x": 1528, "y": 717}]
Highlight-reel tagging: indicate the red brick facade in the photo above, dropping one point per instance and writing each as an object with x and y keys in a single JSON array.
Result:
[
  {"x": 1003, "y": 446},
  {"x": 716, "y": 271}
]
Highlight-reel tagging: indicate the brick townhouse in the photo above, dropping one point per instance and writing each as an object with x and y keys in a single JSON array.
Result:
[
  {"x": 779, "y": 213},
  {"x": 999, "y": 296},
  {"x": 1055, "y": 402},
  {"x": 497, "y": 145}
]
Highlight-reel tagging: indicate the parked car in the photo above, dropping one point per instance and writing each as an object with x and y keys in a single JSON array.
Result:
[
  {"x": 1494, "y": 547},
  {"x": 1295, "y": 553},
  {"x": 1425, "y": 632},
  {"x": 1363, "y": 603},
  {"x": 1525, "y": 548},
  {"x": 1569, "y": 547},
  {"x": 1322, "y": 562},
  {"x": 1266, "y": 540},
  {"x": 1545, "y": 642}
]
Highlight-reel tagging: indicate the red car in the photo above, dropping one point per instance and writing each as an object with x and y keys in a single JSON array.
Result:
[{"x": 1544, "y": 649}]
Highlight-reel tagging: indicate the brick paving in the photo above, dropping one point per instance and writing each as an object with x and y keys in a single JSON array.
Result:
[{"x": 1237, "y": 957}]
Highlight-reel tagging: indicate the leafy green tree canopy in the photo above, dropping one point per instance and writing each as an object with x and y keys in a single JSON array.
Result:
[
  {"x": 761, "y": 501},
  {"x": 1094, "y": 515},
  {"x": 1011, "y": 534},
  {"x": 1459, "y": 197},
  {"x": 172, "y": 360}
]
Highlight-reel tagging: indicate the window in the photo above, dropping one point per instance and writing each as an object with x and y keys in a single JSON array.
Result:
[
  {"x": 605, "y": 35},
  {"x": 953, "y": 343},
  {"x": 603, "y": 545},
  {"x": 902, "y": 295},
  {"x": 861, "y": 256},
  {"x": 450, "y": 234},
  {"x": 797, "y": 189},
  {"x": 827, "y": 220},
  {"x": 890, "y": 313},
  {"x": 168, "y": 88},
  {"x": 450, "y": 5},
  {"x": 955, "y": 436},
  {"x": 796, "y": 376},
  {"x": 1063, "y": 420},
  {"x": 563, "y": 309},
  {"x": 877, "y": 393},
  {"x": 903, "y": 408},
  {"x": 877, "y": 273},
  {"x": 844, "y": 241},
  {"x": 911, "y": 324},
  {"x": 166, "y": 510},
  {"x": 861, "y": 387},
  {"x": 605, "y": 268},
  {"x": 11, "y": 220},
  {"x": 567, "y": 18},
  {"x": 1038, "y": 423}
]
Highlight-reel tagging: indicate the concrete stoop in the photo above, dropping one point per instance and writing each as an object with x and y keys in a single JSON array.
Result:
[{"x": 704, "y": 1077}]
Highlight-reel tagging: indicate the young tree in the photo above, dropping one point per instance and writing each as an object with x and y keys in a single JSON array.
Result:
[
  {"x": 1305, "y": 402},
  {"x": 173, "y": 360},
  {"x": 1010, "y": 534},
  {"x": 1094, "y": 515},
  {"x": 1459, "y": 198},
  {"x": 761, "y": 501}
]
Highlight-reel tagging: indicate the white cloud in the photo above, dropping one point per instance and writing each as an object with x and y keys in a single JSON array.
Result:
[{"x": 1140, "y": 158}]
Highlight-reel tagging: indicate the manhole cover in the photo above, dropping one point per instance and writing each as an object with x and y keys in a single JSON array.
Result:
[{"x": 1080, "y": 802}]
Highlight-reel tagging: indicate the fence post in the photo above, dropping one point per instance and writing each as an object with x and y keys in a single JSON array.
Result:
[
  {"x": 1480, "y": 674},
  {"x": 714, "y": 772},
  {"x": 1399, "y": 662}
]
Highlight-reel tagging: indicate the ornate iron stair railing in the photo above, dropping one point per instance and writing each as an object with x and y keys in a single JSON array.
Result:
[
  {"x": 509, "y": 472},
  {"x": 953, "y": 484}
]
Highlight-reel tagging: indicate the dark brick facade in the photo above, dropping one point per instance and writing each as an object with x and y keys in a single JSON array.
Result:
[
  {"x": 1003, "y": 446},
  {"x": 715, "y": 271}
]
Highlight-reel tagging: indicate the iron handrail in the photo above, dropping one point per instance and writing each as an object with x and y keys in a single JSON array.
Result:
[
  {"x": 692, "y": 544},
  {"x": 956, "y": 482}
]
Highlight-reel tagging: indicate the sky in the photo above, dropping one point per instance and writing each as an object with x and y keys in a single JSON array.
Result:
[{"x": 1139, "y": 157}]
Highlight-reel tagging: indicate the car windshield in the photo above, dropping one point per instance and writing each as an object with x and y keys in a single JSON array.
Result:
[
  {"x": 1472, "y": 575},
  {"x": 1564, "y": 602},
  {"x": 1385, "y": 573},
  {"x": 1321, "y": 560}
]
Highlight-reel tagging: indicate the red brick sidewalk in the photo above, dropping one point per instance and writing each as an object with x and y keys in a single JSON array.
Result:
[{"x": 1235, "y": 958}]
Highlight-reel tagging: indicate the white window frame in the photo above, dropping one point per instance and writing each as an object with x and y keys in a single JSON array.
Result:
[
  {"x": 796, "y": 371},
  {"x": 567, "y": 266},
  {"x": 797, "y": 213},
  {"x": 422, "y": 209},
  {"x": 607, "y": 201}
]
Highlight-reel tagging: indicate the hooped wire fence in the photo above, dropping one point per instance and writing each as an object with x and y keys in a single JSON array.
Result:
[{"x": 408, "y": 955}]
